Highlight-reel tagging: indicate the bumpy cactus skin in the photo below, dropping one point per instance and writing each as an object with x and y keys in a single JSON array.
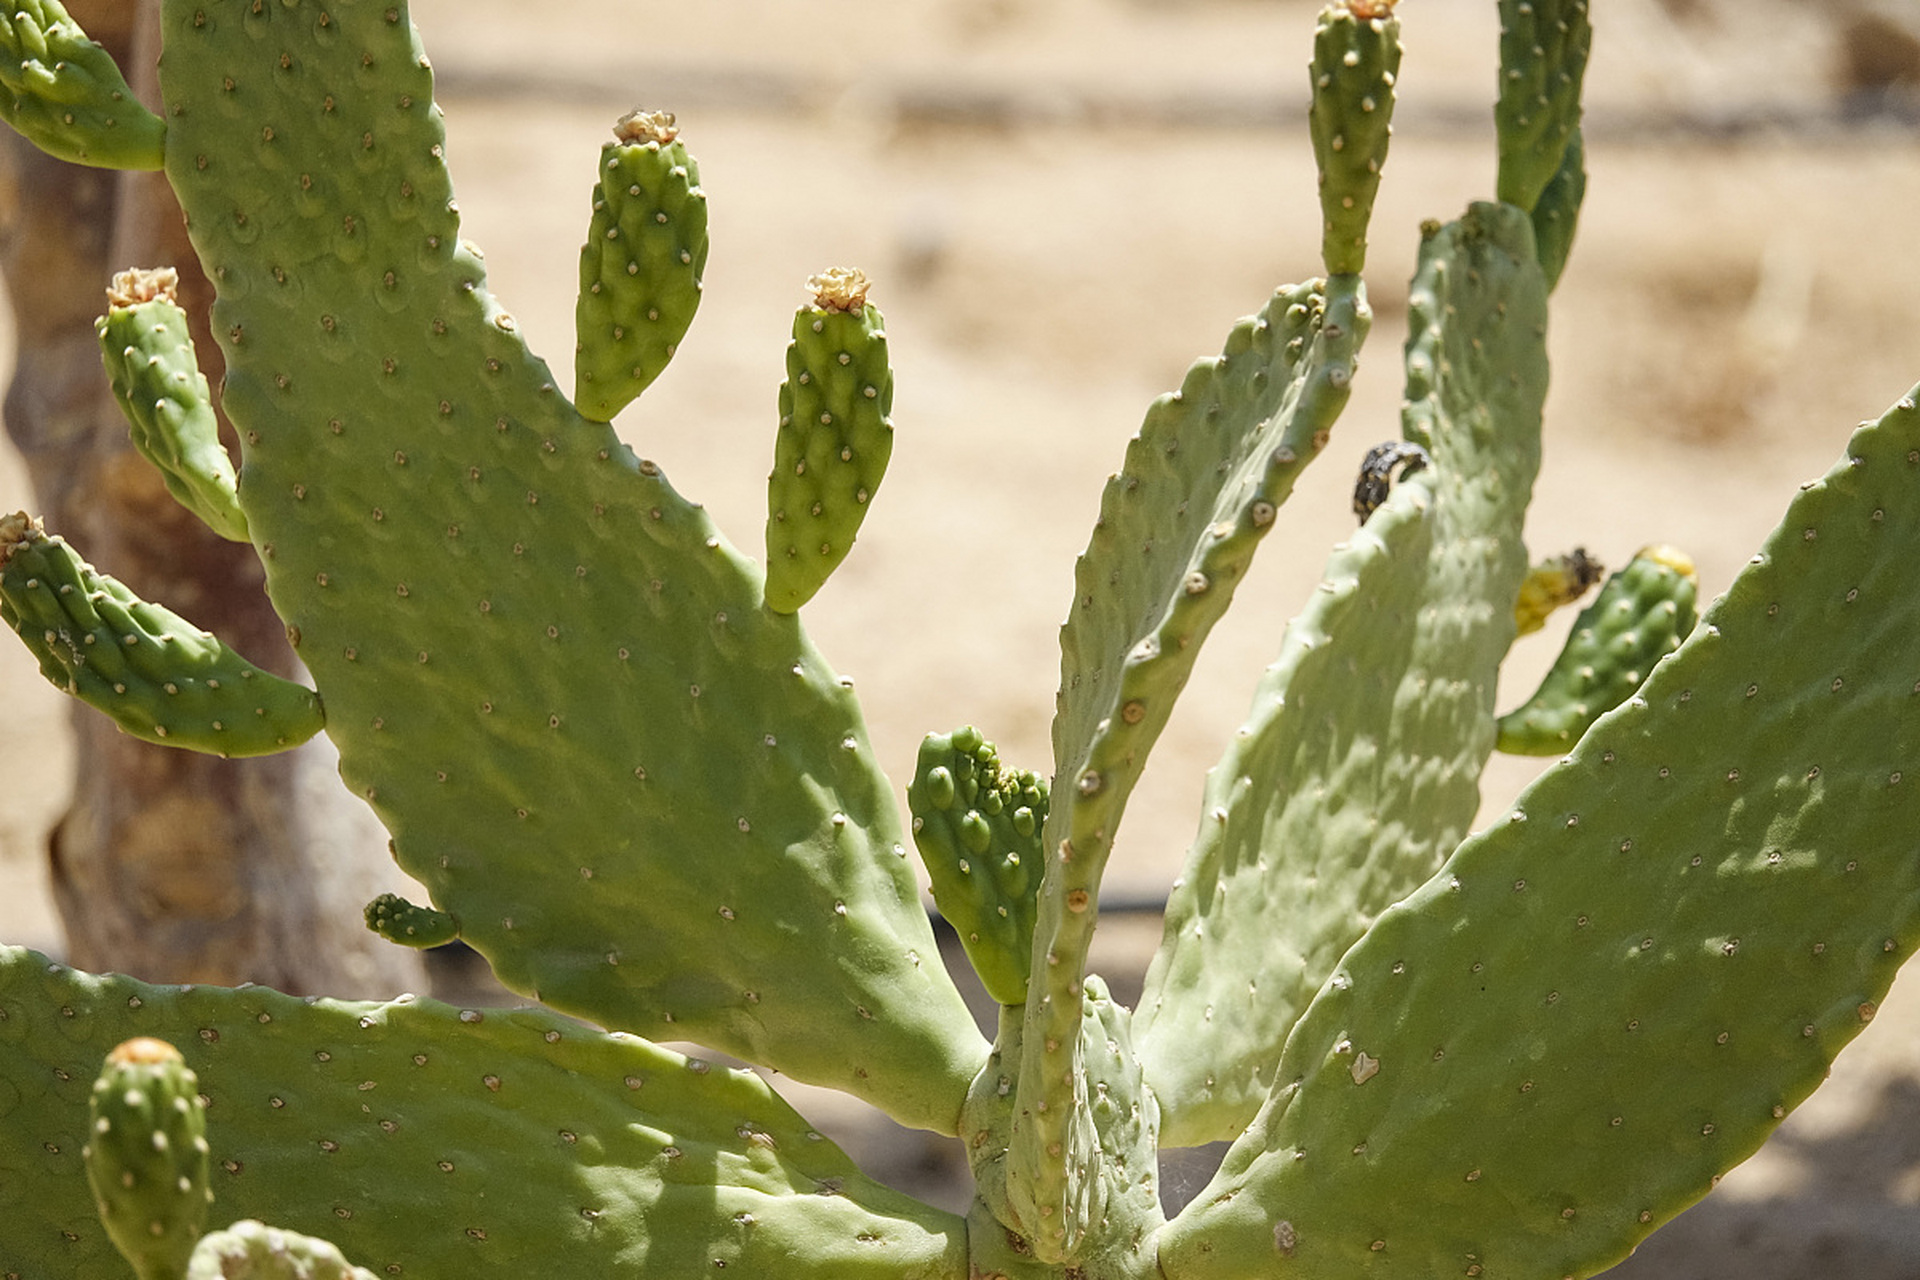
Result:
[
  {"x": 147, "y": 1156},
  {"x": 66, "y": 95},
  {"x": 1543, "y": 59},
  {"x": 641, "y": 266},
  {"x": 835, "y": 437},
  {"x": 250, "y": 1250},
  {"x": 977, "y": 825},
  {"x": 397, "y": 920},
  {"x": 158, "y": 676},
  {"x": 1640, "y": 616},
  {"x": 156, "y": 377}
]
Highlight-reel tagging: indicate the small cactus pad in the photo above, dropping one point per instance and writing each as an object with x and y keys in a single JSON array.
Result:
[
  {"x": 1612, "y": 996},
  {"x": 150, "y": 362},
  {"x": 1178, "y": 528},
  {"x": 835, "y": 437},
  {"x": 1640, "y": 616},
  {"x": 977, "y": 825},
  {"x": 158, "y": 676},
  {"x": 506, "y": 610},
  {"x": 250, "y": 1250},
  {"x": 147, "y": 1156},
  {"x": 414, "y": 1135},
  {"x": 1556, "y": 214},
  {"x": 1543, "y": 59},
  {"x": 1553, "y": 584},
  {"x": 397, "y": 920},
  {"x": 1356, "y": 58},
  {"x": 1367, "y": 735},
  {"x": 640, "y": 268},
  {"x": 66, "y": 95}
]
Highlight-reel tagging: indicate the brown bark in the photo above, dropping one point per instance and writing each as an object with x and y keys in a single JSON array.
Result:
[{"x": 169, "y": 865}]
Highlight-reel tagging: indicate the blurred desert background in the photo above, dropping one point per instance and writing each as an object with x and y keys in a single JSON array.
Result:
[{"x": 1062, "y": 204}]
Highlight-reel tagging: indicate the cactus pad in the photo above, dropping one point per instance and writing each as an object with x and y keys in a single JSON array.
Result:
[
  {"x": 1356, "y": 772},
  {"x": 250, "y": 1250},
  {"x": 835, "y": 437},
  {"x": 425, "y": 1140},
  {"x": 977, "y": 825},
  {"x": 506, "y": 610},
  {"x": 1653, "y": 958},
  {"x": 1556, "y": 214},
  {"x": 1543, "y": 59},
  {"x": 397, "y": 920},
  {"x": 158, "y": 676},
  {"x": 147, "y": 1156},
  {"x": 66, "y": 95},
  {"x": 150, "y": 362},
  {"x": 1640, "y": 616},
  {"x": 1356, "y": 58},
  {"x": 641, "y": 266}
]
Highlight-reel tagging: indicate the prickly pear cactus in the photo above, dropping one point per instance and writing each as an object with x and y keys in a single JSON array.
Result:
[
  {"x": 836, "y": 437},
  {"x": 1640, "y": 616},
  {"x": 641, "y": 266},
  {"x": 66, "y": 94},
  {"x": 157, "y": 380},
  {"x": 250, "y": 1250},
  {"x": 158, "y": 676},
  {"x": 623, "y": 773},
  {"x": 977, "y": 826},
  {"x": 147, "y": 1156}
]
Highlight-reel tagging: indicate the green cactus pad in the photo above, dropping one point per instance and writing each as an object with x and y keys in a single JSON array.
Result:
[
  {"x": 977, "y": 825},
  {"x": 250, "y": 1250},
  {"x": 1553, "y": 584},
  {"x": 1612, "y": 996},
  {"x": 1543, "y": 59},
  {"x": 147, "y": 1156},
  {"x": 1177, "y": 530},
  {"x": 159, "y": 677},
  {"x": 1356, "y": 59},
  {"x": 1108, "y": 1172},
  {"x": 506, "y": 610},
  {"x": 150, "y": 362},
  {"x": 397, "y": 920},
  {"x": 1640, "y": 616},
  {"x": 1356, "y": 772},
  {"x": 428, "y": 1140},
  {"x": 1556, "y": 214},
  {"x": 640, "y": 268},
  {"x": 835, "y": 437},
  {"x": 64, "y": 93}
]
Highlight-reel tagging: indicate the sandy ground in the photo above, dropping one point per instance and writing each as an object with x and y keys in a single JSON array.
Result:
[{"x": 1063, "y": 204}]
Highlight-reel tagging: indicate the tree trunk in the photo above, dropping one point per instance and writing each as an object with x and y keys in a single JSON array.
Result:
[{"x": 169, "y": 865}]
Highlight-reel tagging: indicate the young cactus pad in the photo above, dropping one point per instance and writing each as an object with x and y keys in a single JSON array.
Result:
[
  {"x": 158, "y": 676},
  {"x": 67, "y": 96},
  {"x": 147, "y": 1156},
  {"x": 150, "y": 363},
  {"x": 640, "y": 268},
  {"x": 1356, "y": 59},
  {"x": 835, "y": 437},
  {"x": 250, "y": 1250}
]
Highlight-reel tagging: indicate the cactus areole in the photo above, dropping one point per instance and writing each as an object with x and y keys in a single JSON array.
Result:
[{"x": 604, "y": 744}]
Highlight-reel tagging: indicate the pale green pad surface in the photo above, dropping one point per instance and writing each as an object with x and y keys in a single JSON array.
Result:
[
  {"x": 1640, "y": 616},
  {"x": 1615, "y": 994},
  {"x": 159, "y": 677},
  {"x": 1178, "y": 527},
  {"x": 1543, "y": 60},
  {"x": 64, "y": 93},
  {"x": 508, "y": 614},
  {"x": 431, "y": 1141},
  {"x": 250, "y": 1250},
  {"x": 1356, "y": 773},
  {"x": 640, "y": 272},
  {"x": 977, "y": 825},
  {"x": 150, "y": 362}
]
